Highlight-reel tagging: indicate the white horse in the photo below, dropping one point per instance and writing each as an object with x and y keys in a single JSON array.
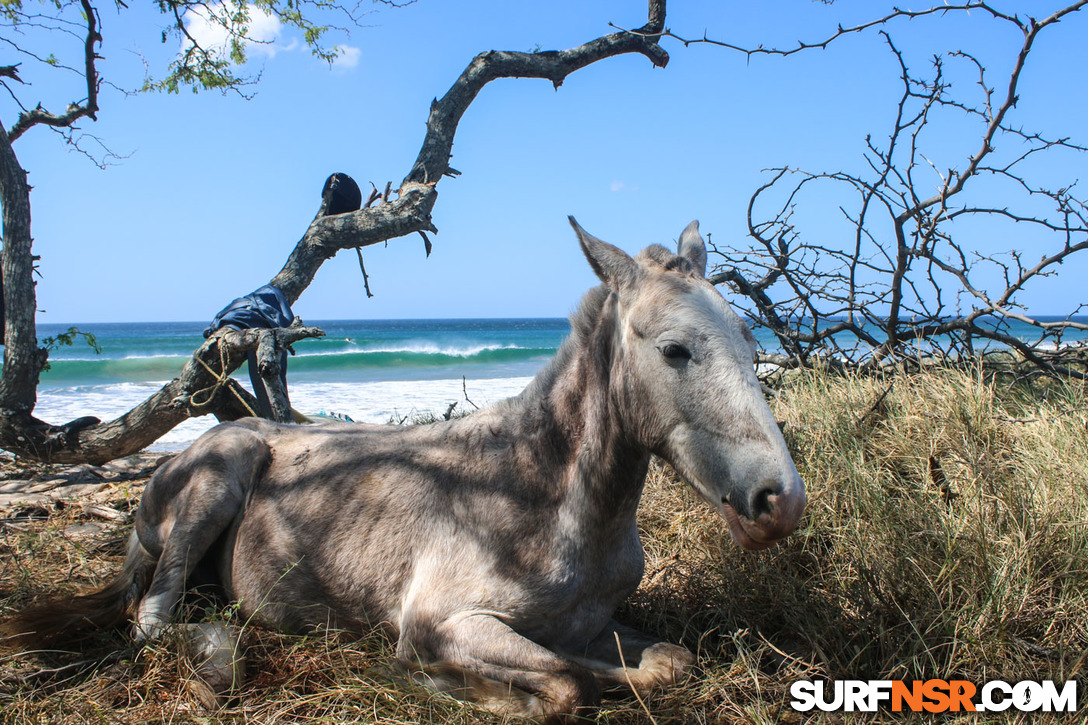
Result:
[{"x": 495, "y": 547}]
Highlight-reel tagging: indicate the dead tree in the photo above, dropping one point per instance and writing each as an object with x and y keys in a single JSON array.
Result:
[
  {"x": 203, "y": 386},
  {"x": 909, "y": 280}
]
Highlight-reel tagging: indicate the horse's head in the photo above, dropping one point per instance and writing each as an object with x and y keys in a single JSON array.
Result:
[{"x": 683, "y": 374}]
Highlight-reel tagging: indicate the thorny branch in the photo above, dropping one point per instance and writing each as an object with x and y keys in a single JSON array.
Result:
[
  {"x": 895, "y": 15},
  {"x": 904, "y": 288}
]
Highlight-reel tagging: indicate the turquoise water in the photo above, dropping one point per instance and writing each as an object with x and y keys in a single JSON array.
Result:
[
  {"x": 371, "y": 370},
  {"x": 351, "y": 351}
]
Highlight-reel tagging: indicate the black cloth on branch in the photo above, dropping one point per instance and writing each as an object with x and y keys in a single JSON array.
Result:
[
  {"x": 340, "y": 195},
  {"x": 266, "y": 307}
]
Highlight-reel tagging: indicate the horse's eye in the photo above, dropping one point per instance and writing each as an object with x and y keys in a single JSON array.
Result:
[{"x": 675, "y": 351}]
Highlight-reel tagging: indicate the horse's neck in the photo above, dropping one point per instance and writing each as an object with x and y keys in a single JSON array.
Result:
[{"x": 573, "y": 416}]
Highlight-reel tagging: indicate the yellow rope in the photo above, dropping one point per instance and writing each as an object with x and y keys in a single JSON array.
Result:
[{"x": 221, "y": 379}]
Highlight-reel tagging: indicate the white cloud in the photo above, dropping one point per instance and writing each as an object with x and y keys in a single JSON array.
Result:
[
  {"x": 347, "y": 57},
  {"x": 206, "y": 26},
  {"x": 618, "y": 185}
]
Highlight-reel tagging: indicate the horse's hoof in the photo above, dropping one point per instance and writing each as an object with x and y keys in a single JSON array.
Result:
[
  {"x": 668, "y": 663},
  {"x": 214, "y": 650},
  {"x": 206, "y": 695}
]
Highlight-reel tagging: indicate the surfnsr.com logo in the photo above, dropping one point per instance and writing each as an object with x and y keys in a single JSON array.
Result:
[{"x": 933, "y": 696}]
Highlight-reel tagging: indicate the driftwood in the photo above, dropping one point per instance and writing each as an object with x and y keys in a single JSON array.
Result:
[{"x": 409, "y": 213}]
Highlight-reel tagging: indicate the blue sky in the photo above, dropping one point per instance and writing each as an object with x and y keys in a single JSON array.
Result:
[{"x": 214, "y": 191}]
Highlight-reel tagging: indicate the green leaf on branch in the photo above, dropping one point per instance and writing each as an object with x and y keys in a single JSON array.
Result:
[
  {"x": 207, "y": 67},
  {"x": 68, "y": 339}
]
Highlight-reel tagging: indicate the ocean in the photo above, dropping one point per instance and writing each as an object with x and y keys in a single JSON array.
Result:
[{"x": 373, "y": 371}]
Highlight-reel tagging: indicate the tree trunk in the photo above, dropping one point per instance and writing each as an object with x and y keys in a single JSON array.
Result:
[{"x": 23, "y": 359}]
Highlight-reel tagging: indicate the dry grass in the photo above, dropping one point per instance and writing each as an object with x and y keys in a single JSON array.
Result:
[{"x": 946, "y": 536}]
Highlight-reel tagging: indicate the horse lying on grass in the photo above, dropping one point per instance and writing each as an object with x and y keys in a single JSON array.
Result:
[{"x": 493, "y": 548}]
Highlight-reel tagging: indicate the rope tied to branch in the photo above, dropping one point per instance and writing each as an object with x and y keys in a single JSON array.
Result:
[{"x": 221, "y": 378}]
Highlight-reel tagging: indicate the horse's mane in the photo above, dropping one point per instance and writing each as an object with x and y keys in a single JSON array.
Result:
[
  {"x": 585, "y": 322},
  {"x": 657, "y": 255},
  {"x": 585, "y": 319}
]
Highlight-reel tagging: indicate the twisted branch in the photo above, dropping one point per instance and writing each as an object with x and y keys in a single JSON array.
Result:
[
  {"x": 409, "y": 213},
  {"x": 75, "y": 111},
  {"x": 916, "y": 292}
]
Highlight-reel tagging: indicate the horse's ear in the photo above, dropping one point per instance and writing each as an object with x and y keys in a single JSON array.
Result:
[
  {"x": 691, "y": 247},
  {"x": 612, "y": 265}
]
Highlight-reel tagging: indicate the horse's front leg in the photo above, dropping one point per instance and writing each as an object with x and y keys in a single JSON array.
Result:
[
  {"x": 647, "y": 663},
  {"x": 188, "y": 504},
  {"x": 478, "y": 658}
]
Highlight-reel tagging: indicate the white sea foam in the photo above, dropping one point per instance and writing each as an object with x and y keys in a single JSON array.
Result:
[
  {"x": 365, "y": 402},
  {"x": 421, "y": 349},
  {"x": 153, "y": 356}
]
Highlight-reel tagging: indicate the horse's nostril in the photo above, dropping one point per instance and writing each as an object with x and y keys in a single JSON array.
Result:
[{"x": 760, "y": 502}]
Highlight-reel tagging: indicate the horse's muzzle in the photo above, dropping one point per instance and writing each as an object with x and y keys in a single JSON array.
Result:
[{"x": 778, "y": 518}]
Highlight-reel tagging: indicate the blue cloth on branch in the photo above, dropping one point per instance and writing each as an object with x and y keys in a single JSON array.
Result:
[{"x": 265, "y": 307}]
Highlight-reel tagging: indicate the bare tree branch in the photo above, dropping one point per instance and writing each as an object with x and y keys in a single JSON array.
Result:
[
  {"x": 87, "y": 108},
  {"x": 203, "y": 385},
  {"x": 904, "y": 289},
  {"x": 895, "y": 14},
  {"x": 411, "y": 211}
]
